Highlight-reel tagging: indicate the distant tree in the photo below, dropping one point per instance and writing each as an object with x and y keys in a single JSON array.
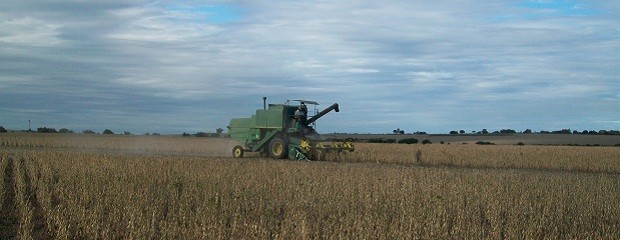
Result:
[
  {"x": 201, "y": 134},
  {"x": 2, "y": 129},
  {"x": 64, "y": 130},
  {"x": 146, "y": 134},
  {"x": 398, "y": 131},
  {"x": 126, "y": 133},
  {"x": 527, "y": 131},
  {"x": 454, "y": 132},
  {"x": 563, "y": 131},
  {"x": 185, "y": 134},
  {"x": 88, "y": 132},
  {"x": 381, "y": 140},
  {"x": 484, "y": 131},
  {"x": 408, "y": 141},
  {"x": 156, "y": 134},
  {"x": 462, "y": 132},
  {"x": 426, "y": 141},
  {"x": 575, "y": 132},
  {"x": 507, "y": 131},
  {"x": 219, "y": 130},
  {"x": 46, "y": 130},
  {"x": 108, "y": 131}
]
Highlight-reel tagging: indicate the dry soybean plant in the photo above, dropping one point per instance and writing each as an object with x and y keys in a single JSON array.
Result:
[
  {"x": 3, "y": 162},
  {"x": 567, "y": 158},
  {"x": 75, "y": 187},
  {"x": 96, "y": 195},
  {"x": 214, "y": 147}
]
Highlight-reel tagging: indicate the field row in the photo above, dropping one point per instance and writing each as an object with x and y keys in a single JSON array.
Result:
[
  {"x": 113, "y": 196},
  {"x": 22, "y": 215},
  {"x": 563, "y": 158}
]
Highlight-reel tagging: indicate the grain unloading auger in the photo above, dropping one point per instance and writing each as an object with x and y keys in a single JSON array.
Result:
[{"x": 282, "y": 130}]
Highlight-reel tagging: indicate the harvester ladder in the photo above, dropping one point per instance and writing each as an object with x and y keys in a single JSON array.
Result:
[{"x": 265, "y": 140}]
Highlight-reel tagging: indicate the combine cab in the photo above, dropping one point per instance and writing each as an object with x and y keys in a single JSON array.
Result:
[{"x": 283, "y": 130}]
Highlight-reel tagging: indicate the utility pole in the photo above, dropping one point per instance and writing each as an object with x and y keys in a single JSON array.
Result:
[{"x": 29, "y": 128}]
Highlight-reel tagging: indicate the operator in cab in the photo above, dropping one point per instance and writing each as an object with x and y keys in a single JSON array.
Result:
[{"x": 301, "y": 114}]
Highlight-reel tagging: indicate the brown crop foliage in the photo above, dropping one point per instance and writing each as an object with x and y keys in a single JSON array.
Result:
[
  {"x": 217, "y": 147},
  {"x": 107, "y": 188},
  {"x": 567, "y": 158}
]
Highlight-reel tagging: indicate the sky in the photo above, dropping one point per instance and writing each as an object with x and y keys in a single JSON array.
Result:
[{"x": 189, "y": 66}]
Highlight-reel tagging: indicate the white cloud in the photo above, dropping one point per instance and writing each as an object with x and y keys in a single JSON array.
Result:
[
  {"x": 149, "y": 24},
  {"x": 29, "y": 31},
  {"x": 31, "y": 110}
]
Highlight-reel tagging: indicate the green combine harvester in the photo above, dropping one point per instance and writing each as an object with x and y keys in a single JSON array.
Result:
[{"x": 284, "y": 130}]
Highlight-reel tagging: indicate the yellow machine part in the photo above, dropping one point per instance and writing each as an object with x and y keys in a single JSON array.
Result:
[
  {"x": 304, "y": 144},
  {"x": 308, "y": 150},
  {"x": 340, "y": 146}
]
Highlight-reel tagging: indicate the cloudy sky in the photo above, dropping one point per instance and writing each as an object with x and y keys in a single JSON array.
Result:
[{"x": 188, "y": 66}]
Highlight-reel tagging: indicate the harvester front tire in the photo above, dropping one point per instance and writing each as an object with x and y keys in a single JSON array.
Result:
[
  {"x": 278, "y": 149},
  {"x": 237, "y": 151}
]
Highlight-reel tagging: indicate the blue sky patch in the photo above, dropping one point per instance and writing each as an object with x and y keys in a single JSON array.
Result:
[
  {"x": 558, "y": 8},
  {"x": 220, "y": 13},
  {"x": 217, "y": 14},
  {"x": 539, "y": 9}
]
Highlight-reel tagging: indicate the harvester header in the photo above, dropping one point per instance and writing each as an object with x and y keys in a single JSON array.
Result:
[{"x": 284, "y": 130}]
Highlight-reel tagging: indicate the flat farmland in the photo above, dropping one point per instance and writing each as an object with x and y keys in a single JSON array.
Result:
[
  {"x": 500, "y": 139},
  {"x": 59, "y": 186}
]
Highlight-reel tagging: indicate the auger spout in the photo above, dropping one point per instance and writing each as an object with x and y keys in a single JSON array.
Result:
[{"x": 321, "y": 113}]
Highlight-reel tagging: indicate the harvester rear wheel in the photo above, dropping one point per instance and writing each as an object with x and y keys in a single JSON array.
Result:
[
  {"x": 237, "y": 151},
  {"x": 278, "y": 148}
]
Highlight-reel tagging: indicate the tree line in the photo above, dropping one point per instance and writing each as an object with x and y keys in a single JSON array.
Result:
[
  {"x": 218, "y": 132},
  {"x": 527, "y": 131}
]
